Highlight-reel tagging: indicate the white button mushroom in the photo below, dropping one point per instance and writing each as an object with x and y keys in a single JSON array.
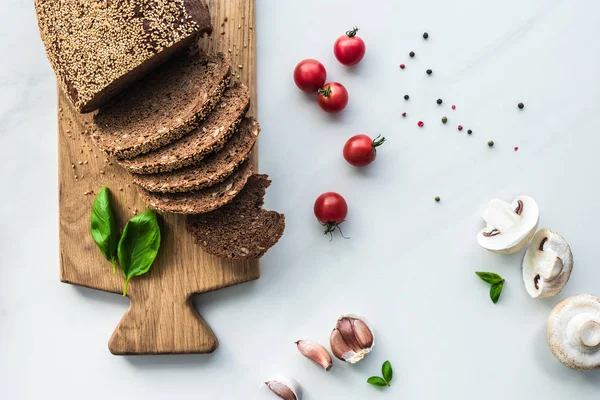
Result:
[
  {"x": 574, "y": 332},
  {"x": 547, "y": 264},
  {"x": 509, "y": 226}
]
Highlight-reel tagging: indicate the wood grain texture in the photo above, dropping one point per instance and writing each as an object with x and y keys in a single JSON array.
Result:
[{"x": 161, "y": 318}]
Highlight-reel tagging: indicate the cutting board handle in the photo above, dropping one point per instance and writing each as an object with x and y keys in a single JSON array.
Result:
[{"x": 153, "y": 326}]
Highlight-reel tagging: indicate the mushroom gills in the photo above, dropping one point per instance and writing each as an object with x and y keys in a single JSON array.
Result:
[{"x": 547, "y": 264}]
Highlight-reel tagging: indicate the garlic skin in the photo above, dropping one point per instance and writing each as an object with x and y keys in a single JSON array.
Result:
[
  {"x": 351, "y": 339},
  {"x": 574, "y": 332},
  {"x": 285, "y": 387},
  {"x": 509, "y": 227},
  {"x": 547, "y": 264},
  {"x": 315, "y": 352}
]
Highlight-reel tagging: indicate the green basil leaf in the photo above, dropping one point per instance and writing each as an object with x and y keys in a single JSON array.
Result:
[
  {"x": 490, "y": 277},
  {"x": 139, "y": 245},
  {"x": 496, "y": 290},
  {"x": 104, "y": 228},
  {"x": 386, "y": 370},
  {"x": 377, "y": 381}
]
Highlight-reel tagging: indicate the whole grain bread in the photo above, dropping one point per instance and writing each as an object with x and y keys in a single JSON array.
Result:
[
  {"x": 163, "y": 107},
  {"x": 210, "y": 136},
  {"x": 241, "y": 230},
  {"x": 200, "y": 201},
  {"x": 98, "y": 48},
  {"x": 212, "y": 170}
]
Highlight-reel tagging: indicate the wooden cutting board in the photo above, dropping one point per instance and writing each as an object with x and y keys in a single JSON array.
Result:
[{"x": 161, "y": 318}]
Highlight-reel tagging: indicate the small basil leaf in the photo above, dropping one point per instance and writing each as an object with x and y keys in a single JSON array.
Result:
[
  {"x": 377, "y": 381},
  {"x": 490, "y": 277},
  {"x": 139, "y": 245},
  {"x": 104, "y": 228},
  {"x": 386, "y": 370},
  {"x": 496, "y": 290}
]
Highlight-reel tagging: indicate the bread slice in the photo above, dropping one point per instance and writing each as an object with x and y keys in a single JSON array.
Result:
[
  {"x": 210, "y": 136},
  {"x": 163, "y": 107},
  {"x": 200, "y": 201},
  {"x": 212, "y": 170},
  {"x": 241, "y": 230},
  {"x": 98, "y": 48}
]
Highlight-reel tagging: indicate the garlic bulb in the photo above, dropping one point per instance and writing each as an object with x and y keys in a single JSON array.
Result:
[
  {"x": 509, "y": 226},
  {"x": 285, "y": 387},
  {"x": 315, "y": 352},
  {"x": 574, "y": 332},
  {"x": 547, "y": 264},
  {"x": 351, "y": 339}
]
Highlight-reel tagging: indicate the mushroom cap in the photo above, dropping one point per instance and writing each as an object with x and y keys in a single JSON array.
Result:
[
  {"x": 574, "y": 332},
  {"x": 547, "y": 264},
  {"x": 509, "y": 226}
]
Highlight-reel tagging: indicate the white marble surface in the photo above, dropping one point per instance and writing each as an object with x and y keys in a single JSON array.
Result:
[{"x": 409, "y": 265}]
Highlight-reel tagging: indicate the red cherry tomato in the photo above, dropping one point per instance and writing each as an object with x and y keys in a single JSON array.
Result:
[
  {"x": 333, "y": 97},
  {"x": 361, "y": 151},
  {"x": 331, "y": 210},
  {"x": 309, "y": 75},
  {"x": 349, "y": 49}
]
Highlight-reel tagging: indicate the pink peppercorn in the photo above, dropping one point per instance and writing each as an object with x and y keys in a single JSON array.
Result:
[
  {"x": 404, "y": 114},
  {"x": 516, "y": 148},
  {"x": 420, "y": 123},
  {"x": 402, "y": 66},
  {"x": 453, "y": 107},
  {"x": 460, "y": 127}
]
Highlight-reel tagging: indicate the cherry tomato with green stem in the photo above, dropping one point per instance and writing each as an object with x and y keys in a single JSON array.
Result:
[
  {"x": 331, "y": 210},
  {"x": 309, "y": 75},
  {"x": 361, "y": 150},
  {"x": 332, "y": 97},
  {"x": 349, "y": 49}
]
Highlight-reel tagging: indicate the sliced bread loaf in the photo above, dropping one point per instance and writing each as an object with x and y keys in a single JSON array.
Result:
[
  {"x": 210, "y": 136},
  {"x": 242, "y": 229},
  {"x": 212, "y": 170},
  {"x": 97, "y": 48},
  {"x": 162, "y": 107},
  {"x": 200, "y": 201}
]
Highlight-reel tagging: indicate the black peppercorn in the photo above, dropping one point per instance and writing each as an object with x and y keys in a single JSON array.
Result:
[
  {"x": 411, "y": 54},
  {"x": 405, "y": 97},
  {"x": 469, "y": 131},
  {"x": 425, "y": 35},
  {"x": 439, "y": 101},
  {"x": 429, "y": 72},
  {"x": 521, "y": 105},
  {"x": 491, "y": 143}
]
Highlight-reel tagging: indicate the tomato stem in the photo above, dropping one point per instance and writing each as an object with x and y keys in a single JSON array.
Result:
[
  {"x": 326, "y": 92},
  {"x": 330, "y": 227},
  {"x": 352, "y": 32},
  {"x": 377, "y": 141}
]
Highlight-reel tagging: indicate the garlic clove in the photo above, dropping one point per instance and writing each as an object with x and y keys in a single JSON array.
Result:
[
  {"x": 363, "y": 333},
  {"x": 339, "y": 348},
  {"x": 547, "y": 264},
  {"x": 344, "y": 325},
  {"x": 351, "y": 339},
  {"x": 285, "y": 387},
  {"x": 315, "y": 352}
]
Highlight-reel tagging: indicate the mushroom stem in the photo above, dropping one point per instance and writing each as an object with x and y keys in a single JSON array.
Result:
[
  {"x": 549, "y": 264},
  {"x": 500, "y": 215},
  {"x": 589, "y": 334}
]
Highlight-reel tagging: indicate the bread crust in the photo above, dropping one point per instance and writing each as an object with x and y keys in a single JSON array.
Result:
[{"x": 99, "y": 48}]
